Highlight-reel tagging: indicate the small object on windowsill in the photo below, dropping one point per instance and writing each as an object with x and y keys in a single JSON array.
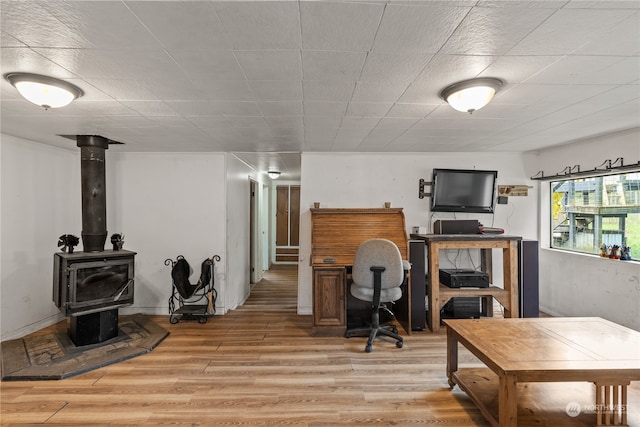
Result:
[
  {"x": 614, "y": 252},
  {"x": 625, "y": 253},
  {"x": 604, "y": 251}
]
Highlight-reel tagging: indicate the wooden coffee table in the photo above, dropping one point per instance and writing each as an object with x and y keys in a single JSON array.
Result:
[{"x": 546, "y": 350}]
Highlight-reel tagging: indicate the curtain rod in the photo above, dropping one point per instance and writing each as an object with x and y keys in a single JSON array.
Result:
[{"x": 604, "y": 168}]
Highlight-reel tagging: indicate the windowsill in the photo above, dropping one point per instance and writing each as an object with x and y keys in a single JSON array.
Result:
[{"x": 632, "y": 261}]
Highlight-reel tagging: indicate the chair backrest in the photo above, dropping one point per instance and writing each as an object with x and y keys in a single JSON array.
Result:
[{"x": 378, "y": 253}]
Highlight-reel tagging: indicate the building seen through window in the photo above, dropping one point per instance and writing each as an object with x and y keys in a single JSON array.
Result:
[{"x": 597, "y": 214}]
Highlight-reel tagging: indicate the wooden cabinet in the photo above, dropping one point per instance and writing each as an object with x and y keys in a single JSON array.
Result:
[
  {"x": 329, "y": 307},
  {"x": 336, "y": 234}
]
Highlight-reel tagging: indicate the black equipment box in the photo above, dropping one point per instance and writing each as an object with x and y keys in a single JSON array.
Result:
[
  {"x": 460, "y": 278},
  {"x": 461, "y": 308},
  {"x": 456, "y": 226}
]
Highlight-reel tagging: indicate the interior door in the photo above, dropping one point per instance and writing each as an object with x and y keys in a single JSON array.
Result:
[{"x": 287, "y": 223}]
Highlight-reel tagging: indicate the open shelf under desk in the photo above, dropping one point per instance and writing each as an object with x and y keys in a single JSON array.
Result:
[{"x": 446, "y": 293}]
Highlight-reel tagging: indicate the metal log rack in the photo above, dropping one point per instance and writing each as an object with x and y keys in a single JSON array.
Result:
[{"x": 199, "y": 306}]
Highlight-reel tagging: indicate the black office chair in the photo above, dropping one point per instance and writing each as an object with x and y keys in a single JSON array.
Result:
[{"x": 378, "y": 272}]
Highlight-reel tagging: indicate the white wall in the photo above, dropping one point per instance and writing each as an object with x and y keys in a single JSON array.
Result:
[
  {"x": 41, "y": 199},
  {"x": 167, "y": 204},
  {"x": 574, "y": 284},
  {"x": 237, "y": 224},
  {"x": 369, "y": 180}
]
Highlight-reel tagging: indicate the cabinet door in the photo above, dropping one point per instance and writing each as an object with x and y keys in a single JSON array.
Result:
[{"x": 328, "y": 297}]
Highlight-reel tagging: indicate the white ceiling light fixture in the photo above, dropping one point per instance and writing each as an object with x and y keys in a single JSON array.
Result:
[
  {"x": 471, "y": 95},
  {"x": 45, "y": 91},
  {"x": 273, "y": 174}
]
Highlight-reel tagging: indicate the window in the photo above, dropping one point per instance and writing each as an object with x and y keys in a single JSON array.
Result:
[{"x": 597, "y": 215}]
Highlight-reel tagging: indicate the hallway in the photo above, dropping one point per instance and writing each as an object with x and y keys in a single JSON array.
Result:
[{"x": 277, "y": 291}]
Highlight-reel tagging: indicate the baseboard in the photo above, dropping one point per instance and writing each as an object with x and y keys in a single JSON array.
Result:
[{"x": 26, "y": 330}]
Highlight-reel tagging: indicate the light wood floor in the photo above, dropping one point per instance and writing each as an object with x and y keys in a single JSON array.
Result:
[{"x": 259, "y": 366}]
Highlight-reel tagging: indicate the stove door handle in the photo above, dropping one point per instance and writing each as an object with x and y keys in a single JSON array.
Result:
[{"x": 124, "y": 288}]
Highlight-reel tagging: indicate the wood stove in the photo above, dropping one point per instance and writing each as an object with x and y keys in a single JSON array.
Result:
[{"x": 90, "y": 286}]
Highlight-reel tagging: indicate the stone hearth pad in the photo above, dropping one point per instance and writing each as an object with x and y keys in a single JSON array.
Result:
[{"x": 50, "y": 354}]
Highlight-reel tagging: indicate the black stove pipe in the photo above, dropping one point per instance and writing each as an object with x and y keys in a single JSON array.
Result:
[{"x": 94, "y": 199}]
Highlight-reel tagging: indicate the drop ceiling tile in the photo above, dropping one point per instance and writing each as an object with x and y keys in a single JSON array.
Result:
[
  {"x": 276, "y": 90},
  {"x": 621, "y": 39},
  {"x": 615, "y": 96},
  {"x": 493, "y": 31},
  {"x": 394, "y": 68},
  {"x": 331, "y": 109},
  {"x": 353, "y": 133},
  {"x": 410, "y": 110},
  {"x": 281, "y": 108},
  {"x": 374, "y": 92},
  {"x": 271, "y": 64},
  {"x": 589, "y": 70},
  {"x": 212, "y": 108},
  {"x": 209, "y": 122},
  {"x": 367, "y": 109},
  {"x": 223, "y": 90},
  {"x": 290, "y": 133},
  {"x": 555, "y": 96},
  {"x": 261, "y": 25},
  {"x": 360, "y": 122},
  {"x": 182, "y": 25},
  {"x": 285, "y": 122},
  {"x": 123, "y": 89},
  {"x": 29, "y": 61},
  {"x": 408, "y": 28},
  {"x": 207, "y": 64},
  {"x": 103, "y": 24},
  {"x": 149, "y": 108},
  {"x": 18, "y": 18},
  {"x": 552, "y": 37},
  {"x": 517, "y": 69},
  {"x": 519, "y": 4},
  {"x": 395, "y": 123},
  {"x": 335, "y": 91},
  {"x": 600, "y": 4},
  {"x": 339, "y": 26},
  {"x": 317, "y": 124},
  {"x": 323, "y": 65},
  {"x": 9, "y": 41}
]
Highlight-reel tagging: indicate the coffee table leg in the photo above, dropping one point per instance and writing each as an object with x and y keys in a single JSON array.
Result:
[
  {"x": 611, "y": 404},
  {"x": 508, "y": 401},
  {"x": 452, "y": 356}
]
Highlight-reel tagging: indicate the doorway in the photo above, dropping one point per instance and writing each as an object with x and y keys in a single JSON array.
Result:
[{"x": 287, "y": 224}]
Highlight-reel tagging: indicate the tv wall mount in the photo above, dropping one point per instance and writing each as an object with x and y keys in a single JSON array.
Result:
[{"x": 423, "y": 183}]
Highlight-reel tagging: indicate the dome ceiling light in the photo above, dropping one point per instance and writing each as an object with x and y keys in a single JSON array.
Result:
[
  {"x": 273, "y": 174},
  {"x": 45, "y": 91},
  {"x": 471, "y": 95}
]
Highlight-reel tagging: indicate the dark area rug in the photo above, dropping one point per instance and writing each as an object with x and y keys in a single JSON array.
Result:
[{"x": 50, "y": 354}]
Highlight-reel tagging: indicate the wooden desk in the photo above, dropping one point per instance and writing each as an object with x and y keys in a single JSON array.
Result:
[
  {"x": 439, "y": 294},
  {"x": 545, "y": 350},
  {"x": 336, "y": 234}
]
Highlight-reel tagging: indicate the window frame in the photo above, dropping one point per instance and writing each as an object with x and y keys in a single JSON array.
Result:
[{"x": 584, "y": 194}]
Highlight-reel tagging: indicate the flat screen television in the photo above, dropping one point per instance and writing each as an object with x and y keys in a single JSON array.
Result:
[{"x": 463, "y": 190}]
